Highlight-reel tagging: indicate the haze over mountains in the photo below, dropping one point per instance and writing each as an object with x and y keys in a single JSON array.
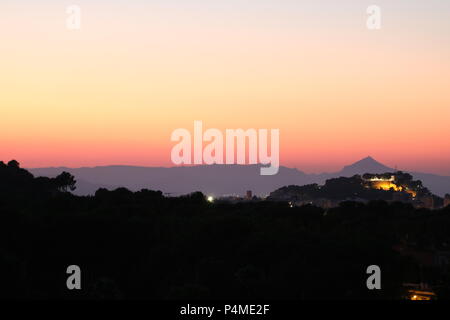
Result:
[{"x": 219, "y": 180}]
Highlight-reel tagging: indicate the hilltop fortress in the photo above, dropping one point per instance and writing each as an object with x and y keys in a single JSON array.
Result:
[{"x": 398, "y": 186}]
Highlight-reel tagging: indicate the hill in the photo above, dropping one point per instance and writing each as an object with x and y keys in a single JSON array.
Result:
[{"x": 219, "y": 179}]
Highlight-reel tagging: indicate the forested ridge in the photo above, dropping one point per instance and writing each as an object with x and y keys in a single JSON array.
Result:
[{"x": 144, "y": 245}]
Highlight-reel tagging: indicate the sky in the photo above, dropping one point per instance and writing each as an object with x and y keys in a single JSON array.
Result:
[{"x": 114, "y": 91}]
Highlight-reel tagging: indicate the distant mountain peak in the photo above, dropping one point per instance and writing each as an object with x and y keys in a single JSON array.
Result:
[
  {"x": 366, "y": 165},
  {"x": 367, "y": 160}
]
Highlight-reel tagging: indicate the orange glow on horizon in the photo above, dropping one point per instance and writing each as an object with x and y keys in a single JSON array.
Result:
[{"x": 113, "y": 92}]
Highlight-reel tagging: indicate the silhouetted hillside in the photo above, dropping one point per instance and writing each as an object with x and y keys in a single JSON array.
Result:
[
  {"x": 389, "y": 186},
  {"x": 214, "y": 179},
  {"x": 219, "y": 179},
  {"x": 143, "y": 245},
  {"x": 17, "y": 183}
]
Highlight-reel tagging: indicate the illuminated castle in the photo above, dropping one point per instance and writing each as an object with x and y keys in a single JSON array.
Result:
[
  {"x": 383, "y": 183},
  {"x": 376, "y": 178},
  {"x": 386, "y": 183}
]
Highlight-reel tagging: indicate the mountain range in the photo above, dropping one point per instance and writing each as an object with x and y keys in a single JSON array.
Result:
[{"x": 219, "y": 180}]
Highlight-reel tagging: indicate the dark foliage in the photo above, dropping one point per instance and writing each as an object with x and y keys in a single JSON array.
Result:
[{"x": 144, "y": 245}]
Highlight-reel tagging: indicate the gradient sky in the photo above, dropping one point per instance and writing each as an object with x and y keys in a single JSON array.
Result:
[{"x": 112, "y": 92}]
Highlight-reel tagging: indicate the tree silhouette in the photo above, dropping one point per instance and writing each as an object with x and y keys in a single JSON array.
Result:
[
  {"x": 65, "y": 182},
  {"x": 13, "y": 164}
]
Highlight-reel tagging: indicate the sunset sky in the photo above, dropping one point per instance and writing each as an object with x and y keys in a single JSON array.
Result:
[{"x": 113, "y": 92}]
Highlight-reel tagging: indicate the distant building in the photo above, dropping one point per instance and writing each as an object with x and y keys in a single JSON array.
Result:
[
  {"x": 419, "y": 291},
  {"x": 249, "y": 195},
  {"x": 447, "y": 200},
  {"x": 376, "y": 179}
]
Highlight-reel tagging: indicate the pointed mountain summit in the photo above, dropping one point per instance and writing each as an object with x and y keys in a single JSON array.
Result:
[{"x": 366, "y": 165}]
